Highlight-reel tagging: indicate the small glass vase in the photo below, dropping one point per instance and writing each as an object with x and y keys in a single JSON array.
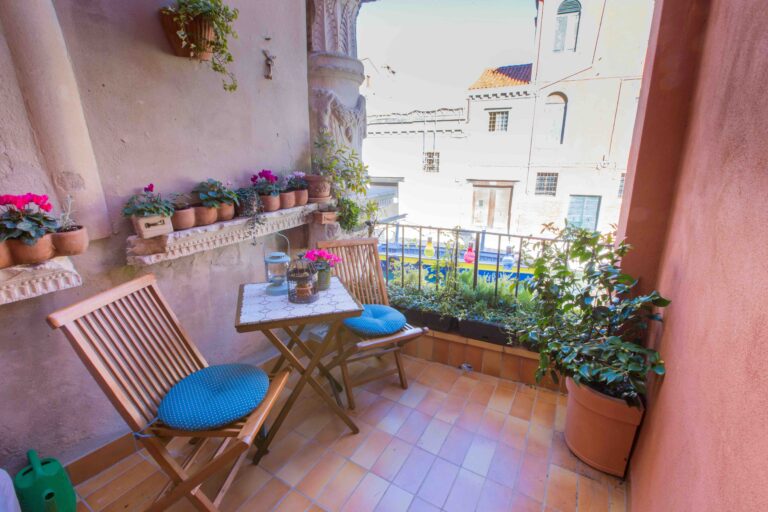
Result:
[{"x": 323, "y": 277}]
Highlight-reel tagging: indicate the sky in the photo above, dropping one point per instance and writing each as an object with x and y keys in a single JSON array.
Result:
[{"x": 438, "y": 48}]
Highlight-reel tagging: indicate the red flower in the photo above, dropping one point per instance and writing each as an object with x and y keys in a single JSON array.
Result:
[
  {"x": 46, "y": 207},
  {"x": 149, "y": 188}
]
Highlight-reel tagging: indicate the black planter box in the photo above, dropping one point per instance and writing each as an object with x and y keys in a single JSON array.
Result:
[
  {"x": 483, "y": 331},
  {"x": 427, "y": 319}
]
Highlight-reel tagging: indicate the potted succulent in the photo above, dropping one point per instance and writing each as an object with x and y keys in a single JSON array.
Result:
[
  {"x": 324, "y": 261},
  {"x": 150, "y": 214},
  {"x": 183, "y": 213},
  {"x": 287, "y": 194},
  {"x": 26, "y": 226},
  {"x": 214, "y": 194},
  {"x": 70, "y": 239},
  {"x": 268, "y": 188},
  {"x": 588, "y": 326},
  {"x": 297, "y": 181},
  {"x": 248, "y": 202},
  {"x": 201, "y": 29},
  {"x": 336, "y": 170}
]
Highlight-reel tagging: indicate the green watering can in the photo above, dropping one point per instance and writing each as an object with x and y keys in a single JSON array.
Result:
[{"x": 44, "y": 486}]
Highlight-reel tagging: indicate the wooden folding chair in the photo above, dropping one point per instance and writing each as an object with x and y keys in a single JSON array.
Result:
[
  {"x": 360, "y": 271},
  {"x": 133, "y": 345}
]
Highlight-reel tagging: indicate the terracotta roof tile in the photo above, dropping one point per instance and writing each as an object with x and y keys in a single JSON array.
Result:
[{"x": 505, "y": 76}]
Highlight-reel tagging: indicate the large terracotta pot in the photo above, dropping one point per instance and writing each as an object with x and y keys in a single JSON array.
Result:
[
  {"x": 205, "y": 215},
  {"x": 183, "y": 218},
  {"x": 287, "y": 200},
  {"x": 24, "y": 254},
  {"x": 71, "y": 243},
  {"x": 600, "y": 429},
  {"x": 226, "y": 212},
  {"x": 302, "y": 196},
  {"x": 319, "y": 188},
  {"x": 6, "y": 260},
  {"x": 270, "y": 203}
]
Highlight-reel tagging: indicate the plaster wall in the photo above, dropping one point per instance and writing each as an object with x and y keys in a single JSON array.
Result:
[
  {"x": 152, "y": 117},
  {"x": 703, "y": 446}
]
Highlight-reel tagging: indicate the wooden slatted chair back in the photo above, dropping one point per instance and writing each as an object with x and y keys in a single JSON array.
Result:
[
  {"x": 132, "y": 344},
  {"x": 360, "y": 268}
]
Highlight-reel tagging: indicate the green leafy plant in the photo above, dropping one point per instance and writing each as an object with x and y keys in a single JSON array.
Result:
[
  {"x": 181, "y": 201},
  {"x": 221, "y": 17},
  {"x": 147, "y": 204},
  {"x": 342, "y": 165},
  {"x": 348, "y": 214},
  {"x": 213, "y": 193},
  {"x": 587, "y": 323},
  {"x": 248, "y": 199},
  {"x": 26, "y": 217},
  {"x": 297, "y": 180},
  {"x": 371, "y": 215}
]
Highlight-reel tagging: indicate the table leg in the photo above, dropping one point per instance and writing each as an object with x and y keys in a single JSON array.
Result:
[
  {"x": 306, "y": 377},
  {"x": 335, "y": 386}
]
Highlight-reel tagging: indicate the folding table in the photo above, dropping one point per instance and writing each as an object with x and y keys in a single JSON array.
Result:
[{"x": 257, "y": 311}]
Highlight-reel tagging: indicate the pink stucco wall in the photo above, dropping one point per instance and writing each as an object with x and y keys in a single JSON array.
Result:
[
  {"x": 703, "y": 445},
  {"x": 152, "y": 117}
]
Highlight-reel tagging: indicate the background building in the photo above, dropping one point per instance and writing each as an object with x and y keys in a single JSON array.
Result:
[{"x": 537, "y": 142}]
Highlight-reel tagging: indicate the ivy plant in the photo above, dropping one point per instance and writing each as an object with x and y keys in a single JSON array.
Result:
[
  {"x": 221, "y": 18},
  {"x": 213, "y": 193},
  {"x": 586, "y": 321},
  {"x": 348, "y": 214}
]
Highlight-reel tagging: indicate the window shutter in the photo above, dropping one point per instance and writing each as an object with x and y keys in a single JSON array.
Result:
[
  {"x": 569, "y": 6},
  {"x": 560, "y": 30}
]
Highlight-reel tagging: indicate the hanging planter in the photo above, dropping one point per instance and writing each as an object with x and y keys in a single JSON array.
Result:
[{"x": 200, "y": 29}]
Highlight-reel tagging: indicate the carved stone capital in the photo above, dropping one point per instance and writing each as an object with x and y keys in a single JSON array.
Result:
[{"x": 332, "y": 26}]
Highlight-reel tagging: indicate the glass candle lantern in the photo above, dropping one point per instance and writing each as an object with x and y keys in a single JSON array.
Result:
[
  {"x": 302, "y": 281},
  {"x": 276, "y": 264}
]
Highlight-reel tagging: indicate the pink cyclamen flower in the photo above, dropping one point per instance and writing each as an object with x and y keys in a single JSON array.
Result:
[
  {"x": 149, "y": 188},
  {"x": 46, "y": 207}
]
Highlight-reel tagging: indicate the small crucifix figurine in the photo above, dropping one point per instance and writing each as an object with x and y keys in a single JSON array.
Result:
[{"x": 270, "y": 62}]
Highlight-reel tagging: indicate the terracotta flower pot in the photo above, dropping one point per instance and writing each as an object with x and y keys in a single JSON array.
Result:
[
  {"x": 319, "y": 188},
  {"x": 270, "y": 203},
  {"x": 287, "y": 200},
  {"x": 600, "y": 429},
  {"x": 199, "y": 30},
  {"x": 325, "y": 217},
  {"x": 226, "y": 212},
  {"x": 71, "y": 243},
  {"x": 183, "y": 218},
  {"x": 6, "y": 260},
  {"x": 24, "y": 254},
  {"x": 302, "y": 196},
  {"x": 205, "y": 215}
]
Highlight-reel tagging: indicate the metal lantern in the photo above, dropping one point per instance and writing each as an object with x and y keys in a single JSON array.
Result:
[
  {"x": 302, "y": 281},
  {"x": 276, "y": 265}
]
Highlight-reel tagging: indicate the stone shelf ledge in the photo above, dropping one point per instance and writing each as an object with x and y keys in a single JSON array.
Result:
[
  {"x": 141, "y": 252},
  {"x": 23, "y": 282}
]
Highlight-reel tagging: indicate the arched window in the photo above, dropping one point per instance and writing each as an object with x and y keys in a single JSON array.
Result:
[
  {"x": 567, "y": 26},
  {"x": 555, "y": 109}
]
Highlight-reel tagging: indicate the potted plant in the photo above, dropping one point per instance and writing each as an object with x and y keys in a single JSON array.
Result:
[
  {"x": 324, "y": 261},
  {"x": 348, "y": 215},
  {"x": 201, "y": 29},
  {"x": 6, "y": 260},
  {"x": 26, "y": 226},
  {"x": 70, "y": 239},
  {"x": 588, "y": 326},
  {"x": 336, "y": 170},
  {"x": 248, "y": 202},
  {"x": 214, "y": 194},
  {"x": 183, "y": 213},
  {"x": 150, "y": 214},
  {"x": 298, "y": 183},
  {"x": 287, "y": 194},
  {"x": 371, "y": 212},
  {"x": 429, "y": 308},
  {"x": 268, "y": 188}
]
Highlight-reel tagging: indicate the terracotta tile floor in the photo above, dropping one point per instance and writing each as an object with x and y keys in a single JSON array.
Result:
[{"x": 452, "y": 441}]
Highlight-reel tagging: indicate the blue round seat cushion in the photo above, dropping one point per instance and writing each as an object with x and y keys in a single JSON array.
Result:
[
  {"x": 375, "y": 321},
  {"x": 213, "y": 397}
]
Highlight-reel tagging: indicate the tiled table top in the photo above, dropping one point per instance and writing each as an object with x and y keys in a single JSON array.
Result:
[{"x": 257, "y": 309}]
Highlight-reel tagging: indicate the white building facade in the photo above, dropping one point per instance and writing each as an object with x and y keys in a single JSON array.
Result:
[{"x": 538, "y": 142}]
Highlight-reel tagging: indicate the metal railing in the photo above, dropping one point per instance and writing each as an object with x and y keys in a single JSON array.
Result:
[{"x": 426, "y": 255}]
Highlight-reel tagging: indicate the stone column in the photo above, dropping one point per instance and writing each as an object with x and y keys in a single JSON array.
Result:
[
  {"x": 335, "y": 75},
  {"x": 54, "y": 107}
]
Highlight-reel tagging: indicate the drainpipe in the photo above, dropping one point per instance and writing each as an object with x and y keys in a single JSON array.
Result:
[{"x": 54, "y": 107}]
